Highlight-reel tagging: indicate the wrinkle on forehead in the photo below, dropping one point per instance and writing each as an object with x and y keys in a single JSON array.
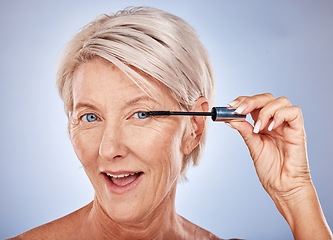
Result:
[{"x": 92, "y": 80}]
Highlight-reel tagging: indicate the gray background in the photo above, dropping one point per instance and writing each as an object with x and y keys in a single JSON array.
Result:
[{"x": 283, "y": 47}]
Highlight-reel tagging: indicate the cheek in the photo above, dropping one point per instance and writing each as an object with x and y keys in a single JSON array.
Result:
[
  {"x": 159, "y": 147},
  {"x": 86, "y": 146}
]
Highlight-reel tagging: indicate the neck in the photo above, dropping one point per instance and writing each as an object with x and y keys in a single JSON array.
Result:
[{"x": 162, "y": 222}]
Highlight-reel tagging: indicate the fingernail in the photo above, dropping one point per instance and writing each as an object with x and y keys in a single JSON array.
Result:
[
  {"x": 270, "y": 127},
  {"x": 257, "y": 126},
  {"x": 241, "y": 108},
  {"x": 233, "y": 103}
]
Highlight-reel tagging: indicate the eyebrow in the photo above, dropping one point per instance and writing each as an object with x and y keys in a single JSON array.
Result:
[
  {"x": 86, "y": 105},
  {"x": 138, "y": 99},
  {"x": 128, "y": 103}
]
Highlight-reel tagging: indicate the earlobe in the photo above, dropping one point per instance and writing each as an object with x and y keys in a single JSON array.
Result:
[{"x": 189, "y": 142}]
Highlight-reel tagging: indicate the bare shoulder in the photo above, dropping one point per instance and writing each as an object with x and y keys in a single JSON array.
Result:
[
  {"x": 193, "y": 231},
  {"x": 196, "y": 232},
  {"x": 62, "y": 228}
]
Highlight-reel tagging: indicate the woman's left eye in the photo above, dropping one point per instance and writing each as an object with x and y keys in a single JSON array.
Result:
[
  {"x": 90, "y": 117},
  {"x": 141, "y": 115}
]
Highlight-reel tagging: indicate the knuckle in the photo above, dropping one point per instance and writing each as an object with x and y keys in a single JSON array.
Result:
[
  {"x": 297, "y": 109},
  {"x": 250, "y": 101},
  {"x": 283, "y": 100},
  {"x": 269, "y": 95},
  {"x": 279, "y": 113}
]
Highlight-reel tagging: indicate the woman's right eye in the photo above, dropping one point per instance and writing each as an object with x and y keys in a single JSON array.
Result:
[{"x": 89, "y": 117}]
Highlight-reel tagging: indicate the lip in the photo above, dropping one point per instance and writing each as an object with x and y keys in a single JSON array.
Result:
[{"x": 121, "y": 189}]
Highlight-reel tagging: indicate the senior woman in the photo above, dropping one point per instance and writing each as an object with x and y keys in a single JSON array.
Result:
[{"x": 142, "y": 59}]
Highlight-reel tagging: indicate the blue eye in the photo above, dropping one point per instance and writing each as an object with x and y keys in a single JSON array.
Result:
[
  {"x": 142, "y": 115},
  {"x": 90, "y": 117}
]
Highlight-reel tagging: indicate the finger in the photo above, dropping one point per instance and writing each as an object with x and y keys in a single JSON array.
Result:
[
  {"x": 246, "y": 105},
  {"x": 267, "y": 112},
  {"x": 236, "y": 102},
  {"x": 291, "y": 115}
]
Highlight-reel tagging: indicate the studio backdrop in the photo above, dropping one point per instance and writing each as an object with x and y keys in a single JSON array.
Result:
[{"x": 282, "y": 47}]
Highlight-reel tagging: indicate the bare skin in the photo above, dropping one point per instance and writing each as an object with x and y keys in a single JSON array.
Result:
[
  {"x": 81, "y": 225},
  {"x": 109, "y": 137},
  {"x": 113, "y": 142},
  {"x": 277, "y": 145}
]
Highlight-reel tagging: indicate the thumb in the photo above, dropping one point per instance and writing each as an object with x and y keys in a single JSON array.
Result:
[{"x": 252, "y": 140}]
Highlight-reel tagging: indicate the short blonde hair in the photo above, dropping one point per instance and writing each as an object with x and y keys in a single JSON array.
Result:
[{"x": 140, "y": 42}]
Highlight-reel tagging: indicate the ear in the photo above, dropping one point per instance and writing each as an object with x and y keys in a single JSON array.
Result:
[{"x": 196, "y": 126}]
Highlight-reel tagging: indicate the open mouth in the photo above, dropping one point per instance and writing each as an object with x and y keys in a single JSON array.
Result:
[{"x": 121, "y": 182}]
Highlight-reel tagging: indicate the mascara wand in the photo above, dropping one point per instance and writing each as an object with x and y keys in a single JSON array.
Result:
[{"x": 217, "y": 114}]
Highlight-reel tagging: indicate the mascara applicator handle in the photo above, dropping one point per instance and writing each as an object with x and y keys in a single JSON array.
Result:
[{"x": 226, "y": 114}]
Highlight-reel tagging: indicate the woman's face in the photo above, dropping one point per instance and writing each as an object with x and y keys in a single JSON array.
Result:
[{"x": 132, "y": 162}]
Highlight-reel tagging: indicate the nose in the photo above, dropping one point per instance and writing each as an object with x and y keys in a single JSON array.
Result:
[{"x": 112, "y": 145}]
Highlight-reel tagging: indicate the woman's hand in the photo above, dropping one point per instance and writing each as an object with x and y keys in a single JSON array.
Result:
[{"x": 277, "y": 145}]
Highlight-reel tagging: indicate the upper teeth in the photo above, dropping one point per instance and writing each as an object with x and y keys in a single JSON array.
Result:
[{"x": 119, "y": 176}]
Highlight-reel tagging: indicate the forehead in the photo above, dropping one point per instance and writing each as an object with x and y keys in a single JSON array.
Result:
[
  {"x": 99, "y": 76},
  {"x": 99, "y": 80}
]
